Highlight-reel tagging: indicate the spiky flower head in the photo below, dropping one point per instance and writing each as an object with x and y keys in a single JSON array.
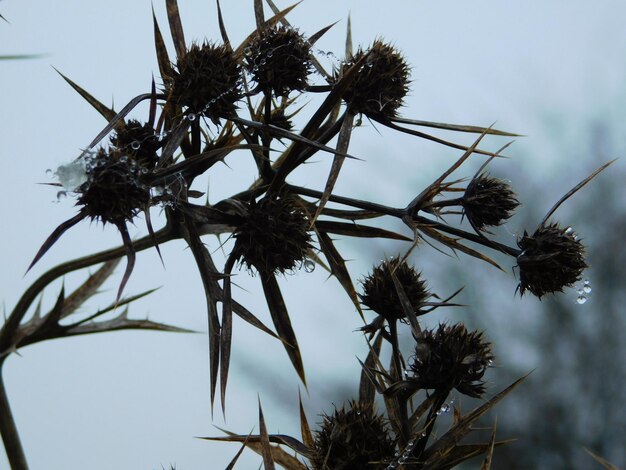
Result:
[
  {"x": 138, "y": 141},
  {"x": 381, "y": 296},
  {"x": 552, "y": 258},
  {"x": 353, "y": 438},
  {"x": 273, "y": 235},
  {"x": 451, "y": 357},
  {"x": 279, "y": 60},
  {"x": 114, "y": 191},
  {"x": 488, "y": 202},
  {"x": 207, "y": 81},
  {"x": 380, "y": 84}
]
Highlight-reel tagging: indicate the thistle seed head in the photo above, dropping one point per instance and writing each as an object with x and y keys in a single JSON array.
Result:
[
  {"x": 451, "y": 357},
  {"x": 488, "y": 202},
  {"x": 552, "y": 258},
  {"x": 381, "y": 296},
  {"x": 381, "y": 83},
  {"x": 207, "y": 81},
  {"x": 353, "y": 438},
  {"x": 279, "y": 60},
  {"x": 138, "y": 141},
  {"x": 113, "y": 192},
  {"x": 273, "y": 234}
]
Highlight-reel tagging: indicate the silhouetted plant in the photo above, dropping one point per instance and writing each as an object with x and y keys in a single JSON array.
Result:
[{"x": 280, "y": 227}]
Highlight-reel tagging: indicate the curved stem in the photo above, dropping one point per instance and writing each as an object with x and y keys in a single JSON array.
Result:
[
  {"x": 12, "y": 323},
  {"x": 8, "y": 430}
]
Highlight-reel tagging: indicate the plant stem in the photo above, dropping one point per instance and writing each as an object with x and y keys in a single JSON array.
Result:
[{"x": 10, "y": 436}]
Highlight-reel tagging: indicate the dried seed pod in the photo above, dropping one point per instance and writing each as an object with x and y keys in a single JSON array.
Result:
[
  {"x": 381, "y": 296},
  {"x": 552, "y": 258},
  {"x": 207, "y": 81},
  {"x": 381, "y": 83},
  {"x": 488, "y": 202},
  {"x": 113, "y": 192},
  {"x": 451, "y": 357},
  {"x": 279, "y": 60},
  {"x": 273, "y": 234},
  {"x": 138, "y": 141},
  {"x": 353, "y": 438}
]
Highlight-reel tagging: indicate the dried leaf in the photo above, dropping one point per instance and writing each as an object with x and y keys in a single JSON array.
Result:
[
  {"x": 605, "y": 463},
  {"x": 282, "y": 323},
  {"x": 343, "y": 142},
  {"x": 220, "y": 20},
  {"x": 107, "y": 112},
  {"x": 574, "y": 190},
  {"x": 486, "y": 465},
  {"x": 88, "y": 288},
  {"x": 266, "y": 451},
  {"x": 54, "y": 236},
  {"x": 367, "y": 388},
  {"x": 338, "y": 268},
  {"x": 454, "y": 127},
  {"x": 305, "y": 430},
  {"x": 176, "y": 27},
  {"x": 165, "y": 66},
  {"x": 258, "y": 15},
  {"x": 386, "y": 122},
  {"x": 453, "y": 436},
  {"x": 362, "y": 231}
]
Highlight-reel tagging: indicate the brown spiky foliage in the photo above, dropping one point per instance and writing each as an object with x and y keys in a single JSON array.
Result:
[
  {"x": 279, "y": 60},
  {"x": 380, "y": 294},
  {"x": 272, "y": 235},
  {"x": 271, "y": 221},
  {"x": 451, "y": 357},
  {"x": 138, "y": 141},
  {"x": 552, "y": 258},
  {"x": 207, "y": 81},
  {"x": 355, "y": 437},
  {"x": 381, "y": 82},
  {"x": 488, "y": 202}
]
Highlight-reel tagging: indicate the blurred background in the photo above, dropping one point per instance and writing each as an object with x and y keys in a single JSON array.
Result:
[{"x": 552, "y": 71}]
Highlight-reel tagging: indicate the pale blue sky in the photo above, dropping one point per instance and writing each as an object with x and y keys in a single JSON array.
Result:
[{"x": 135, "y": 400}]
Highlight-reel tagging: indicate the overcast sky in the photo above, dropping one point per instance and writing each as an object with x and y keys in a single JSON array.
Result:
[{"x": 136, "y": 400}]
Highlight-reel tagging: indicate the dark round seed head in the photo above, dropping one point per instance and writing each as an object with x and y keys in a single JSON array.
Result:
[
  {"x": 451, "y": 357},
  {"x": 353, "y": 438},
  {"x": 207, "y": 81},
  {"x": 279, "y": 60},
  {"x": 380, "y": 84},
  {"x": 552, "y": 258},
  {"x": 381, "y": 296},
  {"x": 488, "y": 202}
]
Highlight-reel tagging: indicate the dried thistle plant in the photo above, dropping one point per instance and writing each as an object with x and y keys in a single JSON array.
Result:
[{"x": 249, "y": 95}]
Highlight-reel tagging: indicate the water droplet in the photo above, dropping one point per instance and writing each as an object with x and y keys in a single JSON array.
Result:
[
  {"x": 191, "y": 117},
  {"x": 401, "y": 460},
  {"x": 255, "y": 68},
  {"x": 309, "y": 265},
  {"x": 270, "y": 54},
  {"x": 123, "y": 159},
  {"x": 397, "y": 453},
  {"x": 61, "y": 195},
  {"x": 262, "y": 62},
  {"x": 411, "y": 443},
  {"x": 568, "y": 230},
  {"x": 581, "y": 299},
  {"x": 48, "y": 172},
  {"x": 587, "y": 287},
  {"x": 358, "y": 413},
  {"x": 247, "y": 51},
  {"x": 444, "y": 409},
  {"x": 490, "y": 362},
  {"x": 135, "y": 145}
]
